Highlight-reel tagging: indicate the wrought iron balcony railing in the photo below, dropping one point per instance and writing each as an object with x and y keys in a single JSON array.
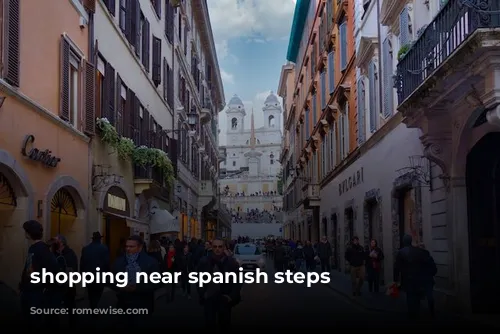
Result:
[{"x": 451, "y": 27}]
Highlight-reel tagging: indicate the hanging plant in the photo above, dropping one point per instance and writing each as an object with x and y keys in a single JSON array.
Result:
[
  {"x": 125, "y": 148},
  {"x": 142, "y": 156},
  {"x": 403, "y": 51},
  {"x": 108, "y": 132}
]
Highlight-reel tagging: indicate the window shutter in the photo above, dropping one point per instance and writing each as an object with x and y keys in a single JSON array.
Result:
[
  {"x": 111, "y": 6},
  {"x": 128, "y": 115},
  {"x": 347, "y": 130},
  {"x": 372, "y": 91},
  {"x": 152, "y": 134},
  {"x": 118, "y": 101},
  {"x": 172, "y": 153},
  {"x": 361, "y": 111},
  {"x": 110, "y": 87},
  {"x": 387, "y": 70},
  {"x": 315, "y": 109},
  {"x": 307, "y": 125},
  {"x": 129, "y": 15},
  {"x": 146, "y": 44},
  {"x": 137, "y": 120},
  {"x": 136, "y": 21},
  {"x": 64, "y": 103},
  {"x": 185, "y": 39},
  {"x": 145, "y": 128},
  {"x": 331, "y": 71},
  {"x": 170, "y": 88},
  {"x": 404, "y": 31},
  {"x": 158, "y": 7},
  {"x": 11, "y": 16},
  {"x": 165, "y": 79},
  {"x": 323, "y": 90},
  {"x": 90, "y": 74},
  {"x": 343, "y": 46},
  {"x": 169, "y": 21},
  {"x": 156, "y": 61}
]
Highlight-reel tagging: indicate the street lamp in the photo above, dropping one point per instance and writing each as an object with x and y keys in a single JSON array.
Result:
[{"x": 192, "y": 121}]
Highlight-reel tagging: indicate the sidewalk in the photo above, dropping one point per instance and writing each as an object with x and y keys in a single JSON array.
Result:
[{"x": 379, "y": 302}]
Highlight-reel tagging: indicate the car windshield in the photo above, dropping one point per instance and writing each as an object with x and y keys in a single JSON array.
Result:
[{"x": 247, "y": 250}]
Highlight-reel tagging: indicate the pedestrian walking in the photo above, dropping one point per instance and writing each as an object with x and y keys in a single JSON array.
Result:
[
  {"x": 298, "y": 257},
  {"x": 374, "y": 258},
  {"x": 218, "y": 299},
  {"x": 325, "y": 254},
  {"x": 279, "y": 257},
  {"x": 415, "y": 269},
  {"x": 185, "y": 265},
  {"x": 355, "y": 255},
  {"x": 68, "y": 262},
  {"x": 95, "y": 255},
  {"x": 136, "y": 295},
  {"x": 171, "y": 267},
  {"x": 38, "y": 295},
  {"x": 309, "y": 256}
]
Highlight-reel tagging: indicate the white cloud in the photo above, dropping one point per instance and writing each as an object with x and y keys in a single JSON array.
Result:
[
  {"x": 258, "y": 20},
  {"x": 256, "y": 104},
  {"x": 227, "y": 78}
]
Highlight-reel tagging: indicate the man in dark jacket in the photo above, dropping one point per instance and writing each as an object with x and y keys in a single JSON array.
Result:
[
  {"x": 218, "y": 299},
  {"x": 325, "y": 254},
  {"x": 355, "y": 255},
  {"x": 68, "y": 262},
  {"x": 38, "y": 295},
  {"x": 135, "y": 295},
  {"x": 279, "y": 257},
  {"x": 95, "y": 255},
  {"x": 415, "y": 268}
]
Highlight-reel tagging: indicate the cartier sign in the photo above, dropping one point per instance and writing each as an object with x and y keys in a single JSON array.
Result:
[
  {"x": 36, "y": 154},
  {"x": 351, "y": 181}
]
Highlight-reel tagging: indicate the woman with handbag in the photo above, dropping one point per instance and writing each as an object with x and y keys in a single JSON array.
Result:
[{"x": 374, "y": 265}]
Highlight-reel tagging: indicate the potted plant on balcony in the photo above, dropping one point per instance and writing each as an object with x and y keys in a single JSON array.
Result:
[{"x": 403, "y": 51}]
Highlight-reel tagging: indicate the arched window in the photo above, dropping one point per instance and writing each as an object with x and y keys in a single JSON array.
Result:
[
  {"x": 271, "y": 121},
  {"x": 234, "y": 123}
]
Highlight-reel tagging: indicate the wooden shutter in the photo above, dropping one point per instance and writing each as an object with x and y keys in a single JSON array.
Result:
[
  {"x": 118, "y": 105},
  {"x": 156, "y": 73},
  {"x": 361, "y": 111},
  {"x": 323, "y": 90},
  {"x": 185, "y": 39},
  {"x": 128, "y": 19},
  {"x": 146, "y": 44},
  {"x": 170, "y": 87},
  {"x": 172, "y": 153},
  {"x": 343, "y": 46},
  {"x": 145, "y": 128},
  {"x": 11, "y": 35},
  {"x": 90, "y": 74},
  {"x": 372, "y": 93},
  {"x": 64, "y": 89},
  {"x": 136, "y": 29},
  {"x": 387, "y": 70},
  {"x": 111, "y": 6},
  {"x": 315, "y": 109},
  {"x": 404, "y": 34},
  {"x": 136, "y": 120},
  {"x": 127, "y": 115},
  {"x": 160, "y": 137},
  {"x": 109, "y": 79},
  {"x": 347, "y": 130},
  {"x": 165, "y": 78},
  {"x": 331, "y": 71},
  {"x": 157, "y": 4}
]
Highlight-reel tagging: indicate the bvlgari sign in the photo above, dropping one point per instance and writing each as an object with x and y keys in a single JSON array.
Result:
[
  {"x": 36, "y": 154},
  {"x": 351, "y": 181}
]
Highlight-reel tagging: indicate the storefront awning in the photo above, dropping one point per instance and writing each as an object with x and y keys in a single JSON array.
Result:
[
  {"x": 137, "y": 224},
  {"x": 162, "y": 221}
]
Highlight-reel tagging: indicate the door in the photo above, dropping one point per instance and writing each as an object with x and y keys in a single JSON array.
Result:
[{"x": 483, "y": 203}]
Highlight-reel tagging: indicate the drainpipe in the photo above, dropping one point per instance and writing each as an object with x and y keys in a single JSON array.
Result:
[
  {"x": 379, "y": 38},
  {"x": 93, "y": 60}
]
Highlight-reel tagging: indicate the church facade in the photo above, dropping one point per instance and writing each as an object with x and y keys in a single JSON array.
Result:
[{"x": 249, "y": 175}]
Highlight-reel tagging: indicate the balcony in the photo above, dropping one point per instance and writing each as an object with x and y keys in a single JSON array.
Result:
[
  {"x": 446, "y": 48},
  {"x": 147, "y": 177},
  {"x": 310, "y": 195}
]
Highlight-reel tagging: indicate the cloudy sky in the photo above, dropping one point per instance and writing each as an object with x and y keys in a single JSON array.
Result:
[{"x": 251, "y": 37}]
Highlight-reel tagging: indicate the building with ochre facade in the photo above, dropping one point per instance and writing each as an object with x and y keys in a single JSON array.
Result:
[{"x": 44, "y": 146}]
